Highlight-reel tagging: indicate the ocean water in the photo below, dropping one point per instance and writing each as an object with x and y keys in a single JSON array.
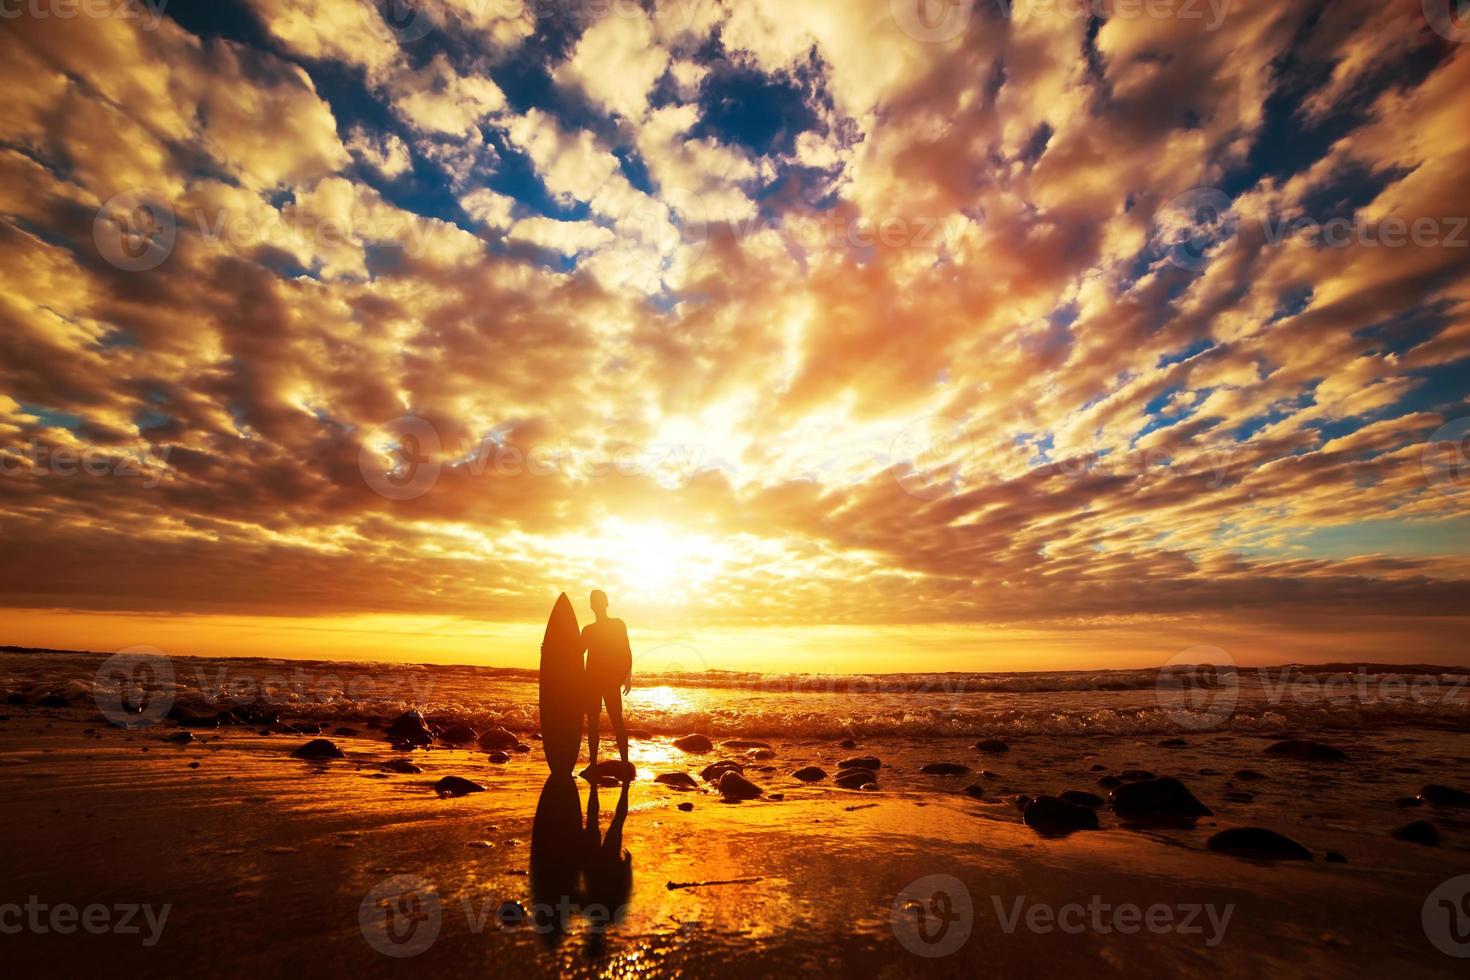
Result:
[{"x": 794, "y": 706}]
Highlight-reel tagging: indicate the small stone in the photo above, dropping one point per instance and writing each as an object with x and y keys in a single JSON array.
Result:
[
  {"x": 457, "y": 786},
  {"x": 1333, "y": 857},
  {"x": 745, "y": 743},
  {"x": 712, "y": 772},
  {"x": 678, "y": 780},
  {"x": 810, "y": 774},
  {"x": 458, "y": 735},
  {"x": 1307, "y": 751},
  {"x": 498, "y": 757},
  {"x": 860, "y": 762},
  {"x": 1418, "y": 832},
  {"x": 686, "y": 807},
  {"x": 1436, "y": 795},
  {"x": 1259, "y": 844},
  {"x": 855, "y": 778},
  {"x": 1109, "y": 782},
  {"x": 848, "y": 743},
  {"x": 1173, "y": 743},
  {"x": 974, "y": 792},
  {"x": 992, "y": 746},
  {"x": 401, "y": 766},
  {"x": 411, "y": 728},
  {"x": 944, "y": 769},
  {"x": 497, "y": 740},
  {"x": 1050, "y": 816},
  {"x": 317, "y": 749},
  {"x": 1164, "y": 798},
  {"x": 180, "y": 738},
  {"x": 694, "y": 743},
  {"x": 733, "y": 786}
]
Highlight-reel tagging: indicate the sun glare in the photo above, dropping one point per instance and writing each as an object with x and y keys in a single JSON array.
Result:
[{"x": 650, "y": 562}]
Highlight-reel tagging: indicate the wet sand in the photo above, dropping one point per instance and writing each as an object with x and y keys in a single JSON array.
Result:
[{"x": 265, "y": 861}]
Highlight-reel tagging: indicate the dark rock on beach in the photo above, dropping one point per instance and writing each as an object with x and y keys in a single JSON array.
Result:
[
  {"x": 1052, "y": 817},
  {"x": 1249, "y": 775},
  {"x": 1109, "y": 782},
  {"x": 686, "y": 807},
  {"x": 1436, "y": 795},
  {"x": 712, "y": 772},
  {"x": 1259, "y": 844},
  {"x": 762, "y": 753},
  {"x": 1020, "y": 802},
  {"x": 497, "y": 738},
  {"x": 614, "y": 769},
  {"x": 180, "y": 738},
  {"x": 1333, "y": 857},
  {"x": 1306, "y": 751},
  {"x": 993, "y": 746},
  {"x": 1164, "y": 798},
  {"x": 401, "y": 766},
  {"x": 974, "y": 791},
  {"x": 810, "y": 774},
  {"x": 410, "y": 727},
  {"x": 1418, "y": 832},
  {"x": 860, "y": 762},
  {"x": 457, "y": 786},
  {"x": 733, "y": 786},
  {"x": 346, "y": 732},
  {"x": 745, "y": 743},
  {"x": 848, "y": 743},
  {"x": 944, "y": 769},
  {"x": 498, "y": 757},
  {"x": 1239, "y": 796},
  {"x": 855, "y": 778},
  {"x": 318, "y": 748},
  {"x": 678, "y": 780},
  {"x": 1078, "y": 797},
  {"x": 458, "y": 735},
  {"x": 694, "y": 743}
]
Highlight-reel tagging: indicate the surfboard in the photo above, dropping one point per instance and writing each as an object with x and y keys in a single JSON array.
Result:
[{"x": 562, "y": 688}]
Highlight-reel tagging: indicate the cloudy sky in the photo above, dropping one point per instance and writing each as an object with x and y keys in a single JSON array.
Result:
[{"x": 828, "y": 334}]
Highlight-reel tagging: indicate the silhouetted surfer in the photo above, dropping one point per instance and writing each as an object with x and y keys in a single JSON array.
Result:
[{"x": 609, "y": 668}]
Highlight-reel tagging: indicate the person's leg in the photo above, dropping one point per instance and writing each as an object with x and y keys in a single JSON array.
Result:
[
  {"x": 594, "y": 713},
  {"x": 614, "y": 698}
]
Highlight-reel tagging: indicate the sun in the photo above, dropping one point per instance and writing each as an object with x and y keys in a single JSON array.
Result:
[{"x": 650, "y": 561}]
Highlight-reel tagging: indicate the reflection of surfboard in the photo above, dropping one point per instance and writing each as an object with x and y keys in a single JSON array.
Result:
[{"x": 562, "y": 688}]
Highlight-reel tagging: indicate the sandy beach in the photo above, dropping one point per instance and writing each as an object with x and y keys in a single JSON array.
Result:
[{"x": 237, "y": 840}]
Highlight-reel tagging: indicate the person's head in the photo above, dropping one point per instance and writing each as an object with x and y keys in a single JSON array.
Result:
[{"x": 599, "y": 601}]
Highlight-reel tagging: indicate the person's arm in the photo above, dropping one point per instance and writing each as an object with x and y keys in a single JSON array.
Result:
[{"x": 628, "y": 652}]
